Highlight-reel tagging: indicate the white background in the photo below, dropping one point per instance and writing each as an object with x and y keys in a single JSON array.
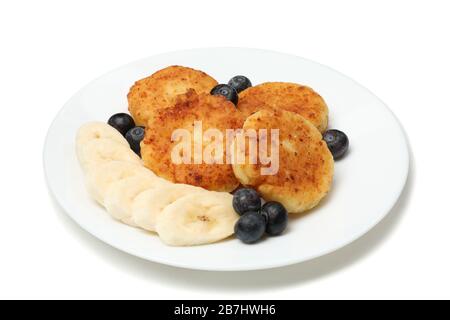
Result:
[{"x": 400, "y": 50}]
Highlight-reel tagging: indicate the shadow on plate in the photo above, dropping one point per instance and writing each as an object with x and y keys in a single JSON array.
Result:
[{"x": 251, "y": 280}]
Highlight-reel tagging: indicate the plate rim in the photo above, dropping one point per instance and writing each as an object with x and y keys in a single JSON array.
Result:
[{"x": 266, "y": 266}]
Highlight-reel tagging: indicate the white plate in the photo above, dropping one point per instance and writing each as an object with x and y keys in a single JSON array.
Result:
[{"x": 367, "y": 182}]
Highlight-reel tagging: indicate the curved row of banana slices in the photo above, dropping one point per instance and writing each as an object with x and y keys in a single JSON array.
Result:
[{"x": 181, "y": 214}]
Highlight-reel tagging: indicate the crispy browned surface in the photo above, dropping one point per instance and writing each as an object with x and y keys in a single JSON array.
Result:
[
  {"x": 214, "y": 112},
  {"x": 305, "y": 163},
  {"x": 287, "y": 96},
  {"x": 161, "y": 88}
]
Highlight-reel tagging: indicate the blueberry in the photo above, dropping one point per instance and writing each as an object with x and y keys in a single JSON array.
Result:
[
  {"x": 250, "y": 227},
  {"x": 227, "y": 91},
  {"x": 134, "y": 137},
  {"x": 240, "y": 83},
  {"x": 337, "y": 142},
  {"x": 276, "y": 217},
  {"x": 122, "y": 122},
  {"x": 245, "y": 200}
]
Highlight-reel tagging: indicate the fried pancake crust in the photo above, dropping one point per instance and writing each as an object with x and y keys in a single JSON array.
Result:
[
  {"x": 161, "y": 88},
  {"x": 156, "y": 148},
  {"x": 305, "y": 164},
  {"x": 286, "y": 96}
]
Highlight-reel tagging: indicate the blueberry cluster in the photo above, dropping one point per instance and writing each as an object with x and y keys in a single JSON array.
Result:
[
  {"x": 256, "y": 220},
  {"x": 124, "y": 123},
  {"x": 231, "y": 90}
]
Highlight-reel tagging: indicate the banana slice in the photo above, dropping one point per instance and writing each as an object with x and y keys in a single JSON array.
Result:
[
  {"x": 97, "y": 130},
  {"x": 120, "y": 195},
  {"x": 99, "y": 151},
  {"x": 99, "y": 180},
  {"x": 148, "y": 205},
  {"x": 196, "y": 219}
]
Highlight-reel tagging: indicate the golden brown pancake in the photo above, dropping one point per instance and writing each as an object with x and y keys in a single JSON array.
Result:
[
  {"x": 305, "y": 163},
  {"x": 156, "y": 148},
  {"x": 161, "y": 88},
  {"x": 286, "y": 96}
]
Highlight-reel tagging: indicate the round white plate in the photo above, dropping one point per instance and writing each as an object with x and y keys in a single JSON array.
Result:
[{"x": 367, "y": 181}]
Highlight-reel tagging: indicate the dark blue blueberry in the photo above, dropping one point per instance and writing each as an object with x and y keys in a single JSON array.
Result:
[
  {"x": 134, "y": 137},
  {"x": 337, "y": 142},
  {"x": 122, "y": 122},
  {"x": 276, "y": 217},
  {"x": 250, "y": 227},
  {"x": 240, "y": 83},
  {"x": 227, "y": 91},
  {"x": 245, "y": 200}
]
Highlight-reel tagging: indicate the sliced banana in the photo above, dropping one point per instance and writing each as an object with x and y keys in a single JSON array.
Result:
[
  {"x": 120, "y": 195},
  {"x": 99, "y": 180},
  {"x": 148, "y": 205},
  {"x": 97, "y": 130},
  {"x": 182, "y": 215},
  {"x": 99, "y": 151},
  {"x": 196, "y": 219}
]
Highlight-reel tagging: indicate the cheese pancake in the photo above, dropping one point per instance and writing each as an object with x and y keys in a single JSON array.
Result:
[
  {"x": 286, "y": 96},
  {"x": 305, "y": 169},
  {"x": 161, "y": 88},
  {"x": 214, "y": 112}
]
